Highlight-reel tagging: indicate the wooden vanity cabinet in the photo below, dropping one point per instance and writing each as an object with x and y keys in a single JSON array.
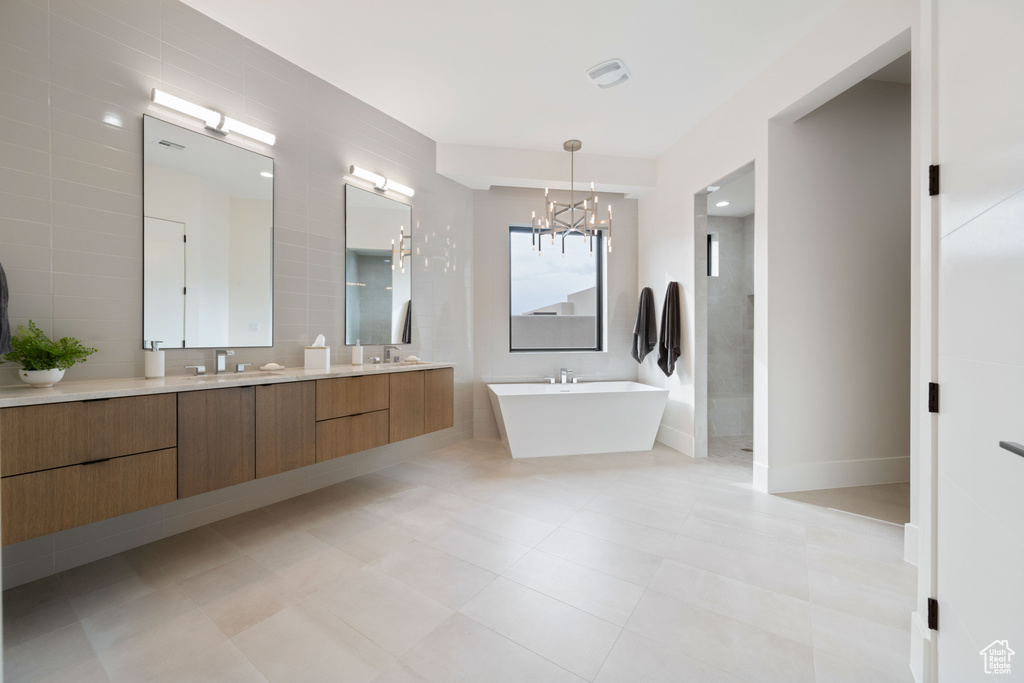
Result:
[
  {"x": 347, "y": 435},
  {"x": 41, "y": 437},
  {"x": 68, "y": 464},
  {"x": 406, "y": 405},
  {"x": 344, "y": 396},
  {"x": 421, "y": 402},
  {"x": 216, "y": 439},
  {"x": 285, "y": 427},
  {"x": 352, "y": 415},
  {"x": 41, "y": 503},
  {"x": 438, "y": 399}
]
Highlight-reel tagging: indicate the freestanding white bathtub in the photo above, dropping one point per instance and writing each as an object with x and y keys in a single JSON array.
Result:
[{"x": 538, "y": 420}]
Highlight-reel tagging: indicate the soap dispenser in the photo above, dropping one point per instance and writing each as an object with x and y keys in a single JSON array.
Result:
[
  {"x": 357, "y": 354},
  {"x": 154, "y": 360}
]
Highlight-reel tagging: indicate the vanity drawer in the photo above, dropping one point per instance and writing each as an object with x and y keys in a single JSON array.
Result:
[
  {"x": 42, "y": 503},
  {"x": 34, "y": 438},
  {"x": 345, "y": 396},
  {"x": 346, "y": 435}
]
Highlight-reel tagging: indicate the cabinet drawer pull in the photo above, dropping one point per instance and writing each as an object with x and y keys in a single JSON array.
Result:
[
  {"x": 1012, "y": 447},
  {"x": 94, "y": 400},
  {"x": 96, "y": 462}
]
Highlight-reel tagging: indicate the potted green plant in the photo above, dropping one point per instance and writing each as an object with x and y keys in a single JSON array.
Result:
[{"x": 42, "y": 360}]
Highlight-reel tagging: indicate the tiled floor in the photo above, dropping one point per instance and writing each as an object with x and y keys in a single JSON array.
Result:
[{"x": 466, "y": 565}]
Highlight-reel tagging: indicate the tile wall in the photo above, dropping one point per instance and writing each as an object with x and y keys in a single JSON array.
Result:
[
  {"x": 75, "y": 81},
  {"x": 494, "y": 211}
]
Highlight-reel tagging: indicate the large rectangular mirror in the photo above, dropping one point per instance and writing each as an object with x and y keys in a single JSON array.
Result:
[
  {"x": 378, "y": 277},
  {"x": 208, "y": 240}
]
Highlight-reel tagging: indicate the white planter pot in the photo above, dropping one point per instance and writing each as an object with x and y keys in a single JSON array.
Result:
[{"x": 40, "y": 379}]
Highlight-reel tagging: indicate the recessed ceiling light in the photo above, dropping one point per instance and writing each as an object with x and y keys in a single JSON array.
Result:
[
  {"x": 713, "y": 188},
  {"x": 722, "y": 204},
  {"x": 266, "y": 174}
]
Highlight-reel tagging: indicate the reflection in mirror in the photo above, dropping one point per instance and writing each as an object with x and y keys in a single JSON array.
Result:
[
  {"x": 378, "y": 291},
  {"x": 208, "y": 241}
]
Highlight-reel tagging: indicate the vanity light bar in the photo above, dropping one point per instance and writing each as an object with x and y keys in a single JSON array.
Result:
[
  {"x": 380, "y": 182},
  {"x": 214, "y": 120}
]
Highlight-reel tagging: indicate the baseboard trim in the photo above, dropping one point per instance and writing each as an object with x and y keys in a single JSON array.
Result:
[
  {"x": 673, "y": 438},
  {"x": 831, "y": 475},
  {"x": 910, "y": 533},
  {"x": 760, "y": 477}
]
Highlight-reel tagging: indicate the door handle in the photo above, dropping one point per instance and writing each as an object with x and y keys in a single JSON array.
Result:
[{"x": 1012, "y": 447}]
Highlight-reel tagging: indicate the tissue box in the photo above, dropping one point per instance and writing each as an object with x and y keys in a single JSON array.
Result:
[{"x": 318, "y": 358}]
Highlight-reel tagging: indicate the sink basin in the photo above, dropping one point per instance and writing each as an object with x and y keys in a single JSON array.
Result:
[{"x": 233, "y": 376}]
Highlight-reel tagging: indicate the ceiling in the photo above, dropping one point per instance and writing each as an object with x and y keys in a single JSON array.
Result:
[
  {"x": 513, "y": 74},
  {"x": 739, "y": 193}
]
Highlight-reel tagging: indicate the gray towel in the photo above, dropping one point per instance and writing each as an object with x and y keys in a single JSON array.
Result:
[
  {"x": 645, "y": 331},
  {"x": 407, "y": 330},
  {"x": 5, "y": 324},
  {"x": 670, "y": 340}
]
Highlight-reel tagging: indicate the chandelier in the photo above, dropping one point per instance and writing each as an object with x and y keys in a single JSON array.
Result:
[{"x": 573, "y": 218}]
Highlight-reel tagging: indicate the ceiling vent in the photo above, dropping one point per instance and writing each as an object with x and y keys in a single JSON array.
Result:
[
  {"x": 607, "y": 74},
  {"x": 172, "y": 145}
]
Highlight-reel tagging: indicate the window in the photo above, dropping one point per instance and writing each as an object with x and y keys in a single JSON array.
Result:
[
  {"x": 555, "y": 301},
  {"x": 713, "y": 254}
]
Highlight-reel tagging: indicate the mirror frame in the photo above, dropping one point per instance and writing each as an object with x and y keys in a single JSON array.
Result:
[{"x": 410, "y": 268}]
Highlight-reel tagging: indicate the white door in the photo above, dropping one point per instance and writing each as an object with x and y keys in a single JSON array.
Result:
[
  {"x": 980, "y": 497},
  {"x": 163, "y": 281}
]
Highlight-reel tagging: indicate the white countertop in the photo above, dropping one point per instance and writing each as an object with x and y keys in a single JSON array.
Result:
[{"x": 24, "y": 395}]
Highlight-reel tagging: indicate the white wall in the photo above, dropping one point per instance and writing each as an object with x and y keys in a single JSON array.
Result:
[
  {"x": 860, "y": 38},
  {"x": 838, "y": 295},
  {"x": 494, "y": 211}
]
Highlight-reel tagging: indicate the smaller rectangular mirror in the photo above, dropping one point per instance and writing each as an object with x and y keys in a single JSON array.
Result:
[{"x": 378, "y": 289}]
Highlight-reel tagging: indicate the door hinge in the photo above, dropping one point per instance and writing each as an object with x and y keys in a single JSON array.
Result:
[
  {"x": 184, "y": 238},
  {"x": 184, "y": 290},
  {"x": 933, "y": 180},
  {"x": 933, "y": 614},
  {"x": 933, "y": 397}
]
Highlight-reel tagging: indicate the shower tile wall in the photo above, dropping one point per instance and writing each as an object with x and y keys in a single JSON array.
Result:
[{"x": 731, "y": 329}]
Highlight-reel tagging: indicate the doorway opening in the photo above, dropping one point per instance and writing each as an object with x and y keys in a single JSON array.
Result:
[
  {"x": 725, "y": 301},
  {"x": 730, "y": 303}
]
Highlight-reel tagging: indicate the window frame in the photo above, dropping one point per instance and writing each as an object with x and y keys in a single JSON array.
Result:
[{"x": 599, "y": 257}]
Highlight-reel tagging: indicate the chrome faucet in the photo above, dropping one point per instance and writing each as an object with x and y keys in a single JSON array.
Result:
[
  {"x": 222, "y": 354},
  {"x": 387, "y": 353},
  {"x": 565, "y": 375}
]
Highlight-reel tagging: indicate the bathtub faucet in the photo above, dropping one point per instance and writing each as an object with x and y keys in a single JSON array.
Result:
[{"x": 565, "y": 375}]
